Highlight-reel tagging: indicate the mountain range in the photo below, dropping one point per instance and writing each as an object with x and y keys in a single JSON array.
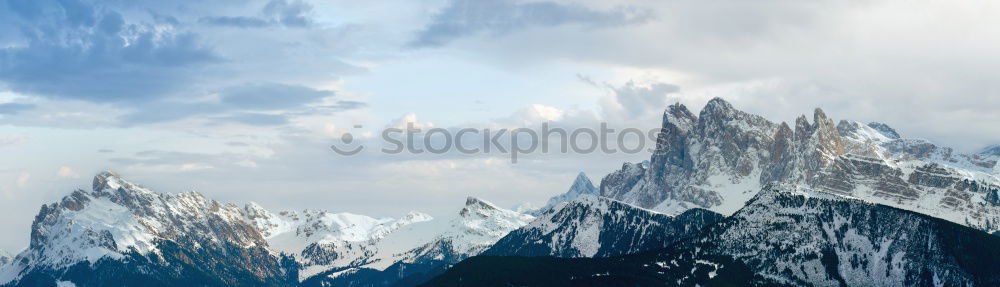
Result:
[{"x": 727, "y": 198}]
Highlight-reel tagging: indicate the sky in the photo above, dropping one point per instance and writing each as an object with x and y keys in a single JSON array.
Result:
[{"x": 240, "y": 100}]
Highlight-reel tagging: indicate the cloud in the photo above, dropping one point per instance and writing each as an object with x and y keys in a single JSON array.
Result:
[
  {"x": 257, "y": 119},
  {"x": 270, "y": 96},
  {"x": 152, "y": 62},
  {"x": 66, "y": 172},
  {"x": 22, "y": 179},
  {"x": 408, "y": 120},
  {"x": 343, "y": 106},
  {"x": 632, "y": 102},
  {"x": 247, "y": 163},
  {"x": 236, "y": 21},
  {"x": 194, "y": 167},
  {"x": 92, "y": 52},
  {"x": 6, "y": 141},
  {"x": 260, "y": 104},
  {"x": 289, "y": 13},
  {"x": 181, "y": 161},
  {"x": 536, "y": 114},
  {"x": 931, "y": 76},
  {"x": 13, "y": 108},
  {"x": 462, "y": 18},
  {"x": 276, "y": 12}
]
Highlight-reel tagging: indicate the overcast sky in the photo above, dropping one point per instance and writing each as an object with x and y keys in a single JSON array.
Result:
[{"x": 240, "y": 99}]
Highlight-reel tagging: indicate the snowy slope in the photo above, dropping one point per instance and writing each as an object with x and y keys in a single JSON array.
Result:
[
  {"x": 425, "y": 248},
  {"x": 321, "y": 240},
  {"x": 477, "y": 226}
]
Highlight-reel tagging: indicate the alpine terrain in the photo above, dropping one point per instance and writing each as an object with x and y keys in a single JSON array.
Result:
[{"x": 727, "y": 198}]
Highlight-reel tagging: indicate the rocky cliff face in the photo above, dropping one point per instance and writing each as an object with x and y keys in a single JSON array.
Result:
[
  {"x": 719, "y": 159},
  {"x": 593, "y": 226}
]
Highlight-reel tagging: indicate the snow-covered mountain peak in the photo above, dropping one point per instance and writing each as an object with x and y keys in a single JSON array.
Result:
[
  {"x": 819, "y": 116},
  {"x": 581, "y": 186},
  {"x": 992, "y": 150},
  {"x": 110, "y": 181},
  {"x": 717, "y": 106},
  {"x": 582, "y": 183},
  {"x": 860, "y": 132},
  {"x": 478, "y": 213},
  {"x": 473, "y": 203},
  {"x": 590, "y": 201},
  {"x": 5, "y": 258},
  {"x": 479, "y": 224},
  {"x": 679, "y": 117},
  {"x": 885, "y": 129},
  {"x": 119, "y": 219}
]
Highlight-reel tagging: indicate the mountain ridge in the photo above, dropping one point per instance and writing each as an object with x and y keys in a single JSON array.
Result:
[
  {"x": 122, "y": 225},
  {"x": 786, "y": 236}
]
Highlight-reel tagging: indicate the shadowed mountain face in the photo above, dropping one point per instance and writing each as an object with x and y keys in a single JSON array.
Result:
[
  {"x": 783, "y": 237},
  {"x": 599, "y": 227},
  {"x": 720, "y": 158}
]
